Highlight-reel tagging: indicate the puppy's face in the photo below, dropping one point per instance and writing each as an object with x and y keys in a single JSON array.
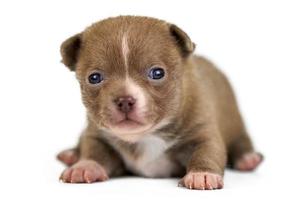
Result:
[{"x": 130, "y": 73}]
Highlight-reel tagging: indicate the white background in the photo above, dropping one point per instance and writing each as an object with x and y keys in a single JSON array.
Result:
[{"x": 257, "y": 44}]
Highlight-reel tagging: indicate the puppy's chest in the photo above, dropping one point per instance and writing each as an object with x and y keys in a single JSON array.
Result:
[{"x": 150, "y": 158}]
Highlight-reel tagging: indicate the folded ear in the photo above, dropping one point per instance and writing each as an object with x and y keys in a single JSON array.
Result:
[
  {"x": 183, "y": 40},
  {"x": 69, "y": 50}
]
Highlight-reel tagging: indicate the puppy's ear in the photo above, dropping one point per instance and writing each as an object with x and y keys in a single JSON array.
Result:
[
  {"x": 69, "y": 50},
  {"x": 183, "y": 40}
]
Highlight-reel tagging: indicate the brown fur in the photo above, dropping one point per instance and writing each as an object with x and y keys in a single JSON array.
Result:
[{"x": 195, "y": 97}]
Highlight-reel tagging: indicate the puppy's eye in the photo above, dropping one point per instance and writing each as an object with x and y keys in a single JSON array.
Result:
[
  {"x": 156, "y": 73},
  {"x": 95, "y": 78}
]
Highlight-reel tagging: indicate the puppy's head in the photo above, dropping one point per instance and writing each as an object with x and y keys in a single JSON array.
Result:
[{"x": 130, "y": 72}]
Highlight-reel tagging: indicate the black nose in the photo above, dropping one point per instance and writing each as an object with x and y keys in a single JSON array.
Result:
[{"x": 125, "y": 104}]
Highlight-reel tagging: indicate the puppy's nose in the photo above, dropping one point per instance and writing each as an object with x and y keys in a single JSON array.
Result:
[{"x": 125, "y": 103}]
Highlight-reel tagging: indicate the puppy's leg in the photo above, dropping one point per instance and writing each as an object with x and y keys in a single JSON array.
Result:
[
  {"x": 97, "y": 162},
  {"x": 205, "y": 168},
  {"x": 69, "y": 156},
  {"x": 242, "y": 155}
]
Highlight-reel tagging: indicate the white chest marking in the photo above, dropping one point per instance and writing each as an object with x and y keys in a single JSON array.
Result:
[{"x": 152, "y": 160}]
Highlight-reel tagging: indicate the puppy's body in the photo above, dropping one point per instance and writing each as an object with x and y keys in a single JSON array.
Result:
[{"x": 188, "y": 121}]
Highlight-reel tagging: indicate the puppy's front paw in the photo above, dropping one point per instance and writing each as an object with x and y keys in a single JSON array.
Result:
[
  {"x": 202, "y": 181},
  {"x": 85, "y": 171}
]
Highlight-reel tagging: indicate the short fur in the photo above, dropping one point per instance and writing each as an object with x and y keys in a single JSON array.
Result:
[{"x": 192, "y": 113}]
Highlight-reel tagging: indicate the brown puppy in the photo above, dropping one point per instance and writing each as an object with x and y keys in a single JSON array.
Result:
[{"x": 154, "y": 109}]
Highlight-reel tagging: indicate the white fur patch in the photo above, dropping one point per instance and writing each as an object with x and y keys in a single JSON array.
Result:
[
  {"x": 125, "y": 51},
  {"x": 136, "y": 92},
  {"x": 152, "y": 160}
]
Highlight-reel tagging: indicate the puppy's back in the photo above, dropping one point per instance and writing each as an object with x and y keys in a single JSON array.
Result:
[{"x": 221, "y": 96}]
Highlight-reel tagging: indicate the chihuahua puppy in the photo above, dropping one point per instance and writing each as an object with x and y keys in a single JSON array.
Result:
[{"x": 154, "y": 109}]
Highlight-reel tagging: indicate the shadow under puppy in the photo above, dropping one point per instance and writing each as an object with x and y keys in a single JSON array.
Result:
[{"x": 154, "y": 109}]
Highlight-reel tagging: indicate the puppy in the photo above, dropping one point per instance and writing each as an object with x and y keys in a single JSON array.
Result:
[{"x": 153, "y": 108}]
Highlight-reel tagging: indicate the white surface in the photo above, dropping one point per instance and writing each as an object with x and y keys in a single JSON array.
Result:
[{"x": 257, "y": 43}]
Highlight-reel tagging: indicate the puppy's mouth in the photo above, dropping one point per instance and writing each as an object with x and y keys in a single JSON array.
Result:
[{"x": 129, "y": 124}]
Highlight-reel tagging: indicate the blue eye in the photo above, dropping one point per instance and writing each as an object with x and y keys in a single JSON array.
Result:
[
  {"x": 95, "y": 78},
  {"x": 156, "y": 73}
]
